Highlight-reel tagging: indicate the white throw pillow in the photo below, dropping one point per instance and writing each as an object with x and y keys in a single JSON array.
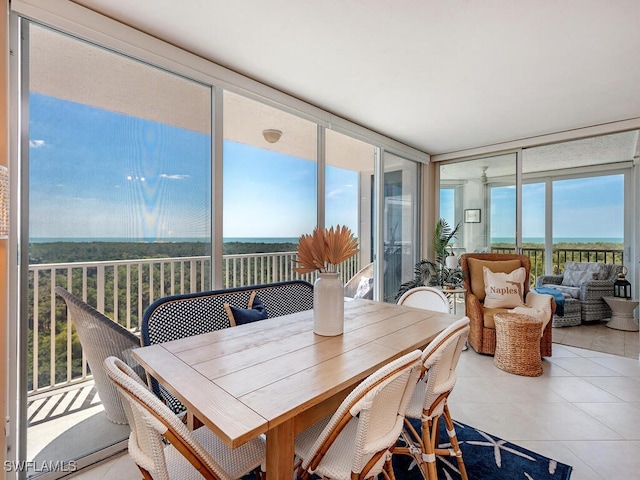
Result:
[
  {"x": 577, "y": 273},
  {"x": 504, "y": 290}
]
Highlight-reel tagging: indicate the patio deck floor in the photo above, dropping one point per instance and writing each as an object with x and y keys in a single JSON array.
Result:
[{"x": 68, "y": 423}]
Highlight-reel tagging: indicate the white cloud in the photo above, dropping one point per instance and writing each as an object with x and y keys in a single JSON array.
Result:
[
  {"x": 36, "y": 143},
  {"x": 174, "y": 177}
]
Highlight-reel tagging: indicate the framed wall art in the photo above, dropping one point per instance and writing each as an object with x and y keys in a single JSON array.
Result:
[{"x": 472, "y": 215}]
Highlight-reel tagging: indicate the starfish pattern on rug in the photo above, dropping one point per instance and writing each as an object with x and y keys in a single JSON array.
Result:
[
  {"x": 500, "y": 455},
  {"x": 498, "y": 445}
]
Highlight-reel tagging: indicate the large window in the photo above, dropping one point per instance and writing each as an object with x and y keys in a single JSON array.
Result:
[
  {"x": 119, "y": 214},
  {"x": 574, "y": 199},
  {"x": 270, "y": 189}
]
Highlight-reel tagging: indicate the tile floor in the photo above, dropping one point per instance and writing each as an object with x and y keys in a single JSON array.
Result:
[
  {"x": 597, "y": 336},
  {"x": 584, "y": 411}
]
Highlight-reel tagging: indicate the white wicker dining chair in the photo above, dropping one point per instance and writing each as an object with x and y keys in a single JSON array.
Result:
[
  {"x": 100, "y": 338},
  {"x": 356, "y": 442},
  {"x": 428, "y": 298},
  {"x": 188, "y": 454},
  {"x": 429, "y": 402}
]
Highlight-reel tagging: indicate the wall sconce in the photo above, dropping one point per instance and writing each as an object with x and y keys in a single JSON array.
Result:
[
  {"x": 4, "y": 202},
  {"x": 271, "y": 135}
]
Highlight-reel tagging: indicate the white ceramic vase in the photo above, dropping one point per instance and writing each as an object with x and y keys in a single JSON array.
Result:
[{"x": 328, "y": 305}]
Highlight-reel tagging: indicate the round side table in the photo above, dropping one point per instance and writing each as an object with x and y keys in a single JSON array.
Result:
[
  {"x": 454, "y": 294},
  {"x": 518, "y": 344},
  {"x": 622, "y": 313}
]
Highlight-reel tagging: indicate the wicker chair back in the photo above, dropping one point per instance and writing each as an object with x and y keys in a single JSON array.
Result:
[
  {"x": 187, "y": 454},
  {"x": 100, "y": 338}
]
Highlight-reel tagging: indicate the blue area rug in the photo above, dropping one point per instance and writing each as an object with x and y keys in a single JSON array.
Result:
[{"x": 486, "y": 457}]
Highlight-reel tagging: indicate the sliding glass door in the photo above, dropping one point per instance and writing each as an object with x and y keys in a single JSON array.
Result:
[
  {"x": 400, "y": 213},
  {"x": 119, "y": 201}
]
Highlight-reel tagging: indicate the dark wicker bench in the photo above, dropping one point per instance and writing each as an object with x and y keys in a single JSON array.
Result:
[{"x": 179, "y": 316}]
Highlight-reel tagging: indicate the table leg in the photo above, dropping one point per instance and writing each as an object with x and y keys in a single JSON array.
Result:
[{"x": 280, "y": 451}]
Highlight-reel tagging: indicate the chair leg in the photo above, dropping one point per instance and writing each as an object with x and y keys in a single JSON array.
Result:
[
  {"x": 429, "y": 441},
  {"x": 414, "y": 447},
  {"x": 388, "y": 470},
  {"x": 454, "y": 442}
]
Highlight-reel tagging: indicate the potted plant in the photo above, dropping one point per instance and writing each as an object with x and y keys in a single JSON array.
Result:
[
  {"x": 323, "y": 251},
  {"x": 436, "y": 272}
]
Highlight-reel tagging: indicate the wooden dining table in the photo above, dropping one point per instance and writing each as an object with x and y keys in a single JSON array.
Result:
[{"x": 276, "y": 377}]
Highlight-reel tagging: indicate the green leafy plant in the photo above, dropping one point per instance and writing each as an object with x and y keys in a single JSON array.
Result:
[{"x": 435, "y": 272}]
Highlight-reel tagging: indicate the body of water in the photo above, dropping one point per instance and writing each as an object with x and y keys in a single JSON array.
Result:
[{"x": 540, "y": 240}]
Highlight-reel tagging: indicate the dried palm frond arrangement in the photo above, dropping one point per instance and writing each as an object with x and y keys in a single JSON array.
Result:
[{"x": 324, "y": 250}]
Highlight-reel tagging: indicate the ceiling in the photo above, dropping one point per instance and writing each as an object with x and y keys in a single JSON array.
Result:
[{"x": 439, "y": 76}]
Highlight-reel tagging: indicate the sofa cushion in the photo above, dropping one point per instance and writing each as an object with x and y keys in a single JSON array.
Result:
[
  {"x": 609, "y": 271},
  {"x": 504, "y": 290},
  {"x": 476, "y": 275},
  {"x": 577, "y": 273},
  {"x": 487, "y": 316}
]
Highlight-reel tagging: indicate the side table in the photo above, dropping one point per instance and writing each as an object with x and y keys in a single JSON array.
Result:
[
  {"x": 454, "y": 295},
  {"x": 622, "y": 313},
  {"x": 518, "y": 344}
]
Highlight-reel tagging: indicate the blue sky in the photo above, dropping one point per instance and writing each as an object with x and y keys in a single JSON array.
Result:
[
  {"x": 100, "y": 174},
  {"x": 590, "y": 207},
  {"x": 275, "y": 194}
]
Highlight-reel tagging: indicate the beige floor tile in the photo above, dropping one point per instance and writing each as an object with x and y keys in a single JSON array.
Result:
[
  {"x": 120, "y": 467},
  {"x": 622, "y": 418},
  {"x": 564, "y": 421},
  {"x": 576, "y": 389},
  {"x": 504, "y": 420},
  {"x": 621, "y": 365},
  {"x": 612, "y": 460},
  {"x": 625, "y": 388},
  {"x": 599, "y": 337},
  {"x": 562, "y": 351},
  {"x": 583, "y": 367}
]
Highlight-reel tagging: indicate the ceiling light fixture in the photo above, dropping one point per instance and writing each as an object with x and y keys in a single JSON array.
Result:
[{"x": 271, "y": 135}]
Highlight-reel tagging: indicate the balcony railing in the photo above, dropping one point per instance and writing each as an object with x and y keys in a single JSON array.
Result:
[
  {"x": 123, "y": 290},
  {"x": 562, "y": 255}
]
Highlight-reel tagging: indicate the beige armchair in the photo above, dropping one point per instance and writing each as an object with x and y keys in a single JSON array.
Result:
[{"x": 482, "y": 334}]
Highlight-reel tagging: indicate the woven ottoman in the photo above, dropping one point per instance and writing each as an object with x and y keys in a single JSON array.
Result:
[
  {"x": 572, "y": 314},
  {"x": 518, "y": 344}
]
